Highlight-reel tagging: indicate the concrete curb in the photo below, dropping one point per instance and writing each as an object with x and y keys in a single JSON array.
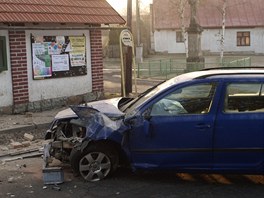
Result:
[{"x": 25, "y": 128}]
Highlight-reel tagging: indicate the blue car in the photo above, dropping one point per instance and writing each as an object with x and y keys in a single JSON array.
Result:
[{"x": 204, "y": 121}]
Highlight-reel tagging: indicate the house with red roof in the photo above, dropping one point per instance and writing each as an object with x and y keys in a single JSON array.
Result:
[
  {"x": 244, "y": 26},
  {"x": 51, "y": 52}
]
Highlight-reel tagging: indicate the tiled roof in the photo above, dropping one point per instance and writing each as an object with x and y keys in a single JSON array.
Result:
[
  {"x": 59, "y": 11},
  {"x": 239, "y": 13}
]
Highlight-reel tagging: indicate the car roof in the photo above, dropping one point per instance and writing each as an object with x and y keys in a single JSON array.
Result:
[
  {"x": 224, "y": 72},
  {"x": 220, "y": 73}
]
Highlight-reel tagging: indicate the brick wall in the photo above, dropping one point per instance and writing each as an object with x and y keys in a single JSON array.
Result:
[
  {"x": 18, "y": 58},
  {"x": 97, "y": 60}
]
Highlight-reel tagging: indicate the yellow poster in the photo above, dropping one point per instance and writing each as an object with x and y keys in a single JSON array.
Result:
[
  {"x": 77, "y": 53},
  {"x": 77, "y": 44}
]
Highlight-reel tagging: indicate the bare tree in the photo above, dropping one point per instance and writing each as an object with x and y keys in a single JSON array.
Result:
[
  {"x": 222, "y": 10},
  {"x": 180, "y": 6},
  {"x": 222, "y": 39}
]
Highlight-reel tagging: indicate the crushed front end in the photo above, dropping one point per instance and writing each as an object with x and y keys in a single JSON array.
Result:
[{"x": 77, "y": 128}]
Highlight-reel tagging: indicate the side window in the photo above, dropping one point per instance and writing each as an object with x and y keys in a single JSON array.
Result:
[
  {"x": 195, "y": 99},
  {"x": 179, "y": 37},
  {"x": 3, "y": 58},
  {"x": 244, "y": 98},
  {"x": 243, "y": 38}
]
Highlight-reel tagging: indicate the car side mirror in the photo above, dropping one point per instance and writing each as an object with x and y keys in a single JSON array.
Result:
[
  {"x": 130, "y": 120},
  {"x": 147, "y": 114}
]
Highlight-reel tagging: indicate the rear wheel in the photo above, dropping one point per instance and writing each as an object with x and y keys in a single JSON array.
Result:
[{"x": 97, "y": 162}]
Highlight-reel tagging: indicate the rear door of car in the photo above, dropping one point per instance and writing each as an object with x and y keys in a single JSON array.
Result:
[
  {"x": 239, "y": 130},
  {"x": 178, "y": 132}
]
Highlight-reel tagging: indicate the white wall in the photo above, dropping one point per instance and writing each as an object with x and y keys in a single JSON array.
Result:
[
  {"x": 6, "y": 92},
  {"x": 58, "y": 87},
  {"x": 165, "y": 41},
  {"x": 210, "y": 40},
  {"x": 257, "y": 39}
]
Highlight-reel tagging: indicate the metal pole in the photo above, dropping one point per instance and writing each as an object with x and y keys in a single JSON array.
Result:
[
  {"x": 138, "y": 70},
  {"x": 134, "y": 67},
  {"x": 128, "y": 78},
  {"x": 123, "y": 88}
]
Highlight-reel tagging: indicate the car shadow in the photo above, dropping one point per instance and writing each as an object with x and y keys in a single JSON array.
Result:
[{"x": 172, "y": 177}]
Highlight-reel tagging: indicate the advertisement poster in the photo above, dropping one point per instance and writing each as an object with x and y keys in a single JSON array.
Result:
[
  {"x": 77, "y": 54},
  {"x": 56, "y": 56},
  {"x": 77, "y": 44},
  {"x": 77, "y": 59},
  {"x": 41, "y": 61},
  {"x": 54, "y": 47},
  {"x": 60, "y": 62}
]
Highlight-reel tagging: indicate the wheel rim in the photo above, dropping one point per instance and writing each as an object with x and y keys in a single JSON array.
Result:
[{"x": 94, "y": 166}]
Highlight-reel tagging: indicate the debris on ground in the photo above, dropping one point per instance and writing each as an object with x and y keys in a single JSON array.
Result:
[
  {"x": 21, "y": 155},
  {"x": 27, "y": 147},
  {"x": 10, "y": 180},
  {"x": 16, "y": 145},
  {"x": 53, "y": 175},
  {"x": 3, "y": 148},
  {"x": 56, "y": 187},
  {"x": 26, "y": 143},
  {"x": 17, "y": 150},
  {"x": 28, "y": 137}
]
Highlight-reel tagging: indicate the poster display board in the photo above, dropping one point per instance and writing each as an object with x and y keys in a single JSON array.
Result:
[{"x": 58, "y": 56}]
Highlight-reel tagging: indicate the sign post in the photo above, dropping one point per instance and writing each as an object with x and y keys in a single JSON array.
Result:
[{"x": 126, "y": 38}]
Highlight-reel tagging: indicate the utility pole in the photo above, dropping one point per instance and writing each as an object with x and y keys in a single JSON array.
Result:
[
  {"x": 139, "y": 48},
  {"x": 128, "y": 68},
  {"x": 138, "y": 23}
]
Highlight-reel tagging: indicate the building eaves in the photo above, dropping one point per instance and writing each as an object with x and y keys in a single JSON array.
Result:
[{"x": 58, "y": 11}]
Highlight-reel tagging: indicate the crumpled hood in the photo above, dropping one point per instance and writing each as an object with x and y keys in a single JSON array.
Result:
[
  {"x": 107, "y": 107},
  {"x": 97, "y": 124}
]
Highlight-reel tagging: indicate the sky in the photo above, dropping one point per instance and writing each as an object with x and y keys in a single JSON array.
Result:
[{"x": 121, "y": 5}]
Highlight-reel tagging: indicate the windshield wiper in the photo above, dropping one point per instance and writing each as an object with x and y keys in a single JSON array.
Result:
[{"x": 150, "y": 89}]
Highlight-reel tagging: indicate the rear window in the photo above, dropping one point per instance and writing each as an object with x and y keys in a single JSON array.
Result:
[{"x": 244, "y": 97}]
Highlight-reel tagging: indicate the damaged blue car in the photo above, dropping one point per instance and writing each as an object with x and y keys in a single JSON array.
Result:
[{"x": 204, "y": 121}]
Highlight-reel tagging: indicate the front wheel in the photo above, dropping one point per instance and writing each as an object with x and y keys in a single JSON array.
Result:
[{"x": 96, "y": 162}]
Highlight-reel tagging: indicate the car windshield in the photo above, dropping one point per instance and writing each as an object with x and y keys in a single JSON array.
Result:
[{"x": 145, "y": 96}]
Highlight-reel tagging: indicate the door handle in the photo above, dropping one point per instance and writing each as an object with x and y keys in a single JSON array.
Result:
[{"x": 203, "y": 126}]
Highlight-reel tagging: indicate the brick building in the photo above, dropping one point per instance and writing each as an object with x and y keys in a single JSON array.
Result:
[{"x": 51, "y": 52}]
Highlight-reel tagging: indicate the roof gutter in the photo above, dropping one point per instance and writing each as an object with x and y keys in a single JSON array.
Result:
[{"x": 59, "y": 28}]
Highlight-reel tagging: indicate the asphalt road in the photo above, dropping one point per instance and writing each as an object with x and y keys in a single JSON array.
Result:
[{"x": 23, "y": 178}]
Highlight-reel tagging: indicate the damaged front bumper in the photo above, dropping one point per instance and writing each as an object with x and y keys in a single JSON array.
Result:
[{"x": 87, "y": 124}]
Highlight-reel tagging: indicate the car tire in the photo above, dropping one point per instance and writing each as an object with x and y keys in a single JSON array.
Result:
[{"x": 96, "y": 162}]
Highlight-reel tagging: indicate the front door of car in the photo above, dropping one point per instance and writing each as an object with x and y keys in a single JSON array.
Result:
[
  {"x": 239, "y": 131},
  {"x": 176, "y": 130}
]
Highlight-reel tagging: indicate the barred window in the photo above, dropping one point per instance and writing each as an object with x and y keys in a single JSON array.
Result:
[{"x": 243, "y": 38}]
